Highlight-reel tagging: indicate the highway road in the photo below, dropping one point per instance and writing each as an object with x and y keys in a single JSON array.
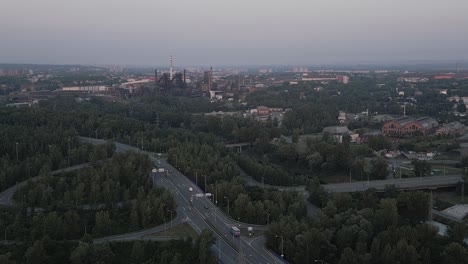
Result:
[
  {"x": 405, "y": 184},
  {"x": 202, "y": 215}
]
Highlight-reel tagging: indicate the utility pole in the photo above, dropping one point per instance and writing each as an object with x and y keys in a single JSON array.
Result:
[
  {"x": 171, "y": 217},
  {"x": 463, "y": 192},
  {"x": 349, "y": 175},
  {"x": 282, "y": 245},
  {"x": 69, "y": 151},
  {"x": 430, "y": 207},
  {"x": 206, "y": 187},
  {"x": 196, "y": 178},
  {"x": 228, "y": 204}
]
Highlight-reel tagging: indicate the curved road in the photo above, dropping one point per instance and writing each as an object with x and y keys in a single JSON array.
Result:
[
  {"x": 202, "y": 215},
  {"x": 6, "y": 195}
]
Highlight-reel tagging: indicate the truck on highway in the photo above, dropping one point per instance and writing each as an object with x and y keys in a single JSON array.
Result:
[{"x": 235, "y": 231}]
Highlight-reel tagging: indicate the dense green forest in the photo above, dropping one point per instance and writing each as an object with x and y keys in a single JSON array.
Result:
[
  {"x": 28, "y": 149},
  {"x": 113, "y": 196},
  {"x": 85, "y": 252},
  {"x": 252, "y": 205},
  {"x": 116, "y": 195},
  {"x": 367, "y": 228}
]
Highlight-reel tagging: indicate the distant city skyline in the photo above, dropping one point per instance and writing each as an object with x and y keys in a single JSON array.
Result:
[{"x": 241, "y": 32}]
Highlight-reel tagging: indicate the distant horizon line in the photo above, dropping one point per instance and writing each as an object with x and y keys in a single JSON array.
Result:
[{"x": 421, "y": 62}]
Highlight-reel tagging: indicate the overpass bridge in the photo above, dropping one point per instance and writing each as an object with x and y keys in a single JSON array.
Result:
[
  {"x": 238, "y": 146},
  {"x": 432, "y": 182}
]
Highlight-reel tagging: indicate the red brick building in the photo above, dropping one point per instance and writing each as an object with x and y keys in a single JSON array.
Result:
[
  {"x": 407, "y": 126},
  {"x": 263, "y": 110}
]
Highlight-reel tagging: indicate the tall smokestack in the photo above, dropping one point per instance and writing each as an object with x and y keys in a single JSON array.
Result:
[
  {"x": 156, "y": 81},
  {"x": 170, "y": 67},
  {"x": 184, "y": 78},
  {"x": 210, "y": 84}
]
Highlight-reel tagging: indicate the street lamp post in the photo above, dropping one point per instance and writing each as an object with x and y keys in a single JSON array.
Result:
[
  {"x": 171, "y": 216},
  {"x": 268, "y": 219},
  {"x": 228, "y": 204},
  {"x": 219, "y": 248},
  {"x": 214, "y": 207},
  {"x": 68, "y": 151},
  {"x": 206, "y": 187},
  {"x": 17, "y": 156},
  {"x": 282, "y": 245}
]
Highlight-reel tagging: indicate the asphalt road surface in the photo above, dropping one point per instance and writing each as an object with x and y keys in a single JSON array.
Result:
[
  {"x": 205, "y": 215},
  {"x": 202, "y": 215},
  {"x": 405, "y": 183}
]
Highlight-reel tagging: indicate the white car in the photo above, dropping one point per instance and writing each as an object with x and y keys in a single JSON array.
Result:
[{"x": 190, "y": 189}]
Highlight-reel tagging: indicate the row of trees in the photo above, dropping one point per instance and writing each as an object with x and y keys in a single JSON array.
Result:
[
  {"x": 257, "y": 205},
  {"x": 25, "y": 151},
  {"x": 112, "y": 181},
  {"x": 113, "y": 196},
  {"x": 253, "y": 205},
  {"x": 200, "y": 160},
  {"x": 44, "y": 250},
  {"x": 143, "y": 212},
  {"x": 266, "y": 173}
]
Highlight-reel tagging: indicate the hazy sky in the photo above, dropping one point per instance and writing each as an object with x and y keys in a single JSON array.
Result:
[{"x": 236, "y": 32}]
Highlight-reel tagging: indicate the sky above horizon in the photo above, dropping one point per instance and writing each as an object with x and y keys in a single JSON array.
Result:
[{"x": 240, "y": 32}]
